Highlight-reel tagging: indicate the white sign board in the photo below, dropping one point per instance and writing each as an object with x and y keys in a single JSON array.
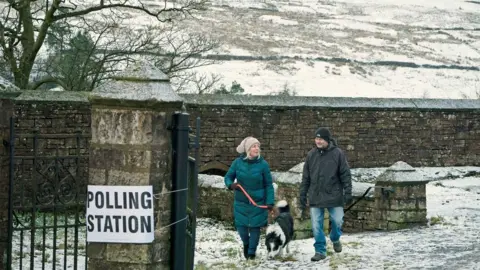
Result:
[{"x": 120, "y": 214}]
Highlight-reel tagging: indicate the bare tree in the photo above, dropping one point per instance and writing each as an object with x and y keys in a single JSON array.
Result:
[
  {"x": 77, "y": 44},
  {"x": 193, "y": 82}
]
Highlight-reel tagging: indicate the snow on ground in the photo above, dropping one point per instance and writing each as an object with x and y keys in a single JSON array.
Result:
[
  {"x": 277, "y": 20},
  {"x": 450, "y": 241},
  {"x": 44, "y": 251}
]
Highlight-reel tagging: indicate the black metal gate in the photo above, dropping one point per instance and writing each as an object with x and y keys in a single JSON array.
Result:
[
  {"x": 185, "y": 188},
  {"x": 47, "y": 191}
]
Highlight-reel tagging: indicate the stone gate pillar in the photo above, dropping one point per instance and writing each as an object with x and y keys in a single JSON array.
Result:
[
  {"x": 131, "y": 146},
  {"x": 400, "y": 198},
  {"x": 6, "y": 111}
]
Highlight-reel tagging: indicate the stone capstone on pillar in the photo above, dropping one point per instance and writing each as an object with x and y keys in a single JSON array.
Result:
[
  {"x": 130, "y": 146},
  {"x": 141, "y": 85}
]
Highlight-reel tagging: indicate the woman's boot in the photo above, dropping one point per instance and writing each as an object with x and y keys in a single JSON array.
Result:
[{"x": 245, "y": 251}]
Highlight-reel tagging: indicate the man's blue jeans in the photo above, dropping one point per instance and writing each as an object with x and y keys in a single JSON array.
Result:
[
  {"x": 250, "y": 237},
  {"x": 336, "y": 218}
]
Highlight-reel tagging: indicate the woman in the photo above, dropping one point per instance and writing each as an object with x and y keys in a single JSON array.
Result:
[{"x": 253, "y": 174}]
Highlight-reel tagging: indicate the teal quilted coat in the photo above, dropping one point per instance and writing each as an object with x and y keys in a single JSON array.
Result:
[{"x": 255, "y": 177}]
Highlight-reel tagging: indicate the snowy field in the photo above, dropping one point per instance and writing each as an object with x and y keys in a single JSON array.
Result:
[{"x": 450, "y": 241}]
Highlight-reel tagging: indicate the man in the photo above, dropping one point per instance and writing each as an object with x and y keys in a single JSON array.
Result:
[{"x": 327, "y": 181}]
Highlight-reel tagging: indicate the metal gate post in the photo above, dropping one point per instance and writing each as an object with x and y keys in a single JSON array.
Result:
[
  {"x": 180, "y": 142},
  {"x": 193, "y": 198}
]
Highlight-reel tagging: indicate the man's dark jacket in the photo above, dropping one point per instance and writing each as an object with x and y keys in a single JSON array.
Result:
[{"x": 326, "y": 178}]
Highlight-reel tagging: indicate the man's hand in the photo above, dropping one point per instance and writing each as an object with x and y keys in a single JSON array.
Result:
[
  {"x": 270, "y": 207},
  {"x": 304, "y": 215},
  {"x": 348, "y": 199},
  {"x": 302, "y": 203},
  {"x": 233, "y": 186}
]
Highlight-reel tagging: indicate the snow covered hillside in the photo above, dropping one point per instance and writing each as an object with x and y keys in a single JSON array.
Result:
[
  {"x": 352, "y": 48},
  {"x": 385, "y": 48}
]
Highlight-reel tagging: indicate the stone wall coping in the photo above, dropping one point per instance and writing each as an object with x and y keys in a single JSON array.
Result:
[
  {"x": 262, "y": 101},
  {"x": 216, "y": 181},
  {"x": 9, "y": 92},
  {"x": 52, "y": 96},
  {"x": 76, "y": 97},
  {"x": 329, "y": 102},
  {"x": 4, "y": 94},
  {"x": 401, "y": 184}
]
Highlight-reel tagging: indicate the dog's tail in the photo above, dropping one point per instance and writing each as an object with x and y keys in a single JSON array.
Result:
[{"x": 283, "y": 206}]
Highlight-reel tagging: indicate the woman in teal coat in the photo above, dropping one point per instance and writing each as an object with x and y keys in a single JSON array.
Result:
[{"x": 253, "y": 173}]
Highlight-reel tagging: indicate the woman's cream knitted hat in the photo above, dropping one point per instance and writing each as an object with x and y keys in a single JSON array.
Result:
[{"x": 245, "y": 145}]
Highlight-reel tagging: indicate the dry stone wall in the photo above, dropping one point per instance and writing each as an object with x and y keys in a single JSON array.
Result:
[
  {"x": 422, "y": 132},
  {"x": 397, "y": 200}
]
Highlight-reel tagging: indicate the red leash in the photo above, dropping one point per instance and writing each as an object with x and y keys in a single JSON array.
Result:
[{"x": 250, "y": 198}]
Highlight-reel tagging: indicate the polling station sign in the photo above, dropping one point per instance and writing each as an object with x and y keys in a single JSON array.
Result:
[{"x": 120, "y": 214}]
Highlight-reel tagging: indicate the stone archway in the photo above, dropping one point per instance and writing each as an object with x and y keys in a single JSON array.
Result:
[{"x": 215, "y": 168}]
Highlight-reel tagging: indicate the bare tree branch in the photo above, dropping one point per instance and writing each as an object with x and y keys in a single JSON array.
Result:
[
  {"x": 42, "y": 33},
  {"x": 191, "y": 5},
  {"x": 108, "y": 41}
]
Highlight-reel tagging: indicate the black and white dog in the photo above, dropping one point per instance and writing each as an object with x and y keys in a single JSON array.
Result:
[{"x": 280, "y": 233}]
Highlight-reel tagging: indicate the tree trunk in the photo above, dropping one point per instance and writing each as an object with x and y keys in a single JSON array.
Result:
[{"x": 21, "y": 79}]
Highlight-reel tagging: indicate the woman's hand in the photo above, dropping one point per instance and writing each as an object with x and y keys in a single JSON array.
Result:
[
  {"x": 233, "y": 186},
  {"x": 271, "y": 213}
]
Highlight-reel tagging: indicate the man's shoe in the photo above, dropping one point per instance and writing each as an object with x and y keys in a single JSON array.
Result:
[
  {"x": 251, "y": 257},
  {"x": 337, "y": 246},
  {"x": 318, "y": 257}
]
